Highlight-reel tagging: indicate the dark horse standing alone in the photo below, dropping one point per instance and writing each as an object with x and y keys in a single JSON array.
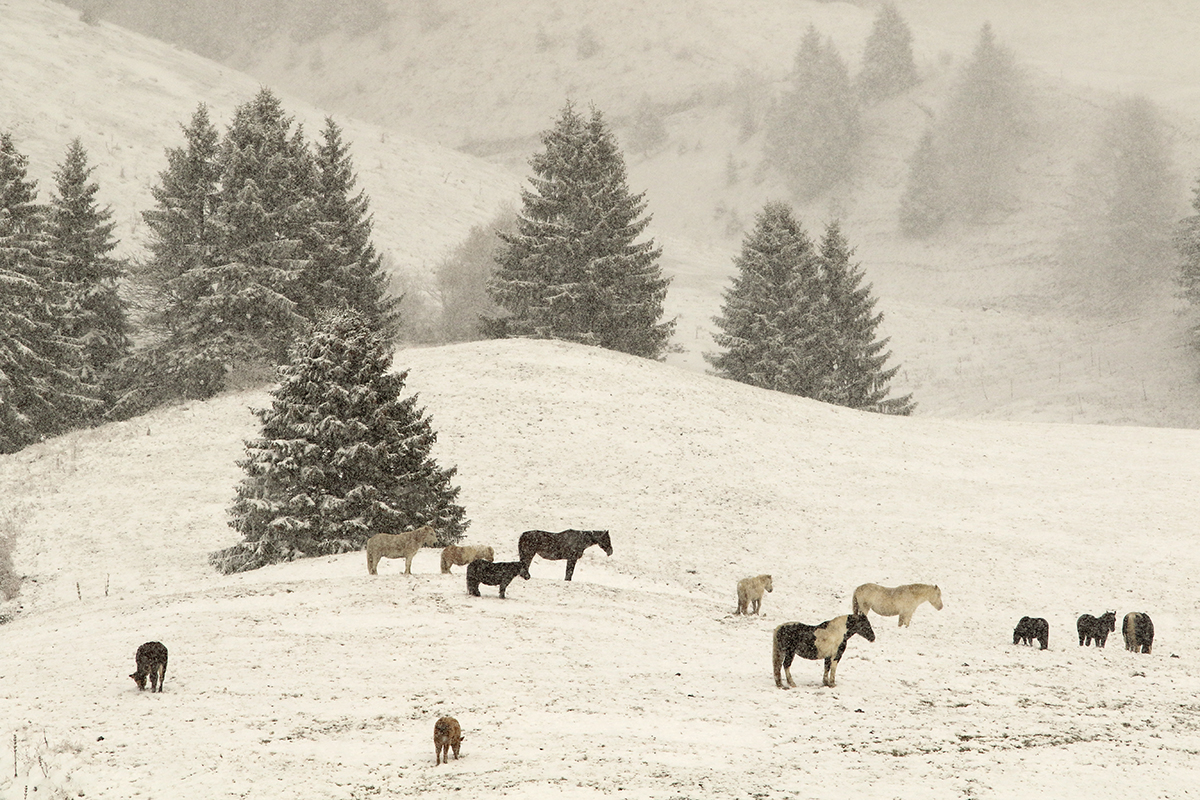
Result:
[
  {"x": 1097, "y": 628},
  {"x": 1030, "y": 628},
  {"x": 568, "y": 544}
]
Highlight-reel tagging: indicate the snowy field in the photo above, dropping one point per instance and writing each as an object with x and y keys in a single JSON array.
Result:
[{"x": 315, "y": 680}]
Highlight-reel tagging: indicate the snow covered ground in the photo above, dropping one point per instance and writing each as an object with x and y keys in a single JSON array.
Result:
[{"x": 313, "y": 679}]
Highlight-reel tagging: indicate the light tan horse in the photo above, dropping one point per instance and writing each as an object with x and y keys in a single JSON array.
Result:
[
  {"x": 750, "y": 593},
  {"x": 902, "y": 600},
  {"x": 398, "y": 545},
  {"x": 456, "y": 556}
]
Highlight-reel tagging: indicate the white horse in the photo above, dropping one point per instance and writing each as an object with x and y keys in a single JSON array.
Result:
[
  {"x": 398, "y": 545},
  {"x": 902, "y": 600}
]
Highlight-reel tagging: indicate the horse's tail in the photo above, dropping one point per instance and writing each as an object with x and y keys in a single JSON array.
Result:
[
  {"x": 446, "y": 559},
  {"x": 777, "y": 658}
]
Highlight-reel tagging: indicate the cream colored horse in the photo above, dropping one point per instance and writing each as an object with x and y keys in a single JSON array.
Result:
[
  {"x": 398, "y": 545},
  {"x": 902, "y": 600},
  {"x": 750, "y": 593},
  {"x": 454, "y": 555}
]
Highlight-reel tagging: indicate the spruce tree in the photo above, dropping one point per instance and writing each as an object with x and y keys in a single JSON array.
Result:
[
  {"x": 856, "y": 376},
  {"x": 815, "y": 129},
  {"x": 771, "y": 318},
  {"x": 343, "y": 270},
  {"x": 247, "y": 305},
  {"x": 981, "y": 136},
  {"x": 798, "y": 320},
  {"x": 341, "y": 456},
  {"x": 574, "y": 270},
  {"x": 1187, "y": 243},
  {"x": 80, "y": 243},
  {"x": 924, "y": 203},
  {"x": 887, "y": 64},
  {"x": 41, "y": 392},
  {"x": 182, "y": 233}
]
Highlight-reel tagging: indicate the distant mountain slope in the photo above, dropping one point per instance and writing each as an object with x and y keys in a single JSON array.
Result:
[
  {"x": 126, "y": 96},
  {"x": 976, "y": 314}
]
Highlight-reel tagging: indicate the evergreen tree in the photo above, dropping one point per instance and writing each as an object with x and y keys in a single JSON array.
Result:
[
  {"x": 41, "y": 393},
  {"x": 344, "y": 271},
  {"x": 1117, "y": 242},
  {"x": 981, "y": 136},
  {"x": 771, "y": 320},
  {"x": 856, "y": 375},
  {"x": 463, "y": 279},
  {"x": 80, "y": 243},
  {"x": 247, "y": 305},
  {"x": 1187, "y": 243},
  {"x": 342, "y": 456},
  {"x": 888, "y": 67},
  {"x": 182, "y": 233},
  {"x": 573, "y": 269},
  {"x": 814, "y": 131},
  {"x": 798, "y": 320},
  {"x": 923, "y": 205}
]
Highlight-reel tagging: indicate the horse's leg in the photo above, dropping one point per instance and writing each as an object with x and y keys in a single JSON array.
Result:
[
  {"x": 372, "y": 563},
  {"x": 830, "y": 671},
  {"x": 905, "y": 618},
  {"x": 472, "y": 584},
  {"x": 571, "y": 568},
  {"x": 504, "y": 585},
  {"x": 408, "y": 564}
]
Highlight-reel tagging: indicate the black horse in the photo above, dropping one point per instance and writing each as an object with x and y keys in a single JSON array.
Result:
[
  {"x": 1096, "y": 628},
  {"x": 500, "y": 573},
  {"x": 151, "y": 661},
  {"x": 826, "y": 640},
  {"x": 1138, "y": 631},
  {"x": 1030, "y": 628},
  {"x": 568, "y": 544}
]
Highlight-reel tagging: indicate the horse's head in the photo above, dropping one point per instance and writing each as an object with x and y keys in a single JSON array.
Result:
[
  {"x": 858, "y": 623},
  {"x": 1109, "y": 619},
  {"x": 524, "y": 573},
  {"x": 935, "y": 599},
  {"x": 601, "y": 538},
  {"x": 768, "y": 585}
]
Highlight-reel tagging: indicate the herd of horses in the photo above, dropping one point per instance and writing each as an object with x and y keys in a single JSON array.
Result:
[
  {"x": 823, "y": 641},
  {"x": 480, "y": 560}
]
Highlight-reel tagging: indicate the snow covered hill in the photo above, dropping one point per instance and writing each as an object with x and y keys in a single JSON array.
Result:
[{"x": 313, "y": 679}]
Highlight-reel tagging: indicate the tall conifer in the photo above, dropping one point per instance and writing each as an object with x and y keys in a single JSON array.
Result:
[
  {"x": 887, "y": 63},
  {"x": 343, "y": 270},
  {"x": 574, "y": 269},
  {"x": 80, "y": 243},
  {"x": 341, "y": 456},
  {"x": 41, "y": 393},
  {"x": 814, "y": 130},
  {"x": 856, "y": 373}
]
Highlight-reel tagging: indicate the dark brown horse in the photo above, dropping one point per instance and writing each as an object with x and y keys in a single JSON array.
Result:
[
  {"x": 1096, "y": 628},
  {"x": 568, "y": 544}
]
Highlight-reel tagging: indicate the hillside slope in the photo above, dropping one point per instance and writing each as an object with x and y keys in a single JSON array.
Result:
[
  {"x": 314, "y": 679},
  {"x": 126, "y": 96}
]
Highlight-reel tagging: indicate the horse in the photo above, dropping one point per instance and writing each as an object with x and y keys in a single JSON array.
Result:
[
  {"x": 447, "y": 735},
  {"x": 568, "y": 544},
  {"x": 902, "y": 600},
  {"x": 500, "y": 573},
  {"x": 1030, "y": 628},
  {"x": 453, "y": 555},
  {"x": 750, "y": 593},
  {"x": 826, "y": 640},
  {"x": 398, "y": 545},
  {"x": 151, "y": 660},
  {"x": 1138, "y": 631},
  {"x": 1096, "y": 628}
]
